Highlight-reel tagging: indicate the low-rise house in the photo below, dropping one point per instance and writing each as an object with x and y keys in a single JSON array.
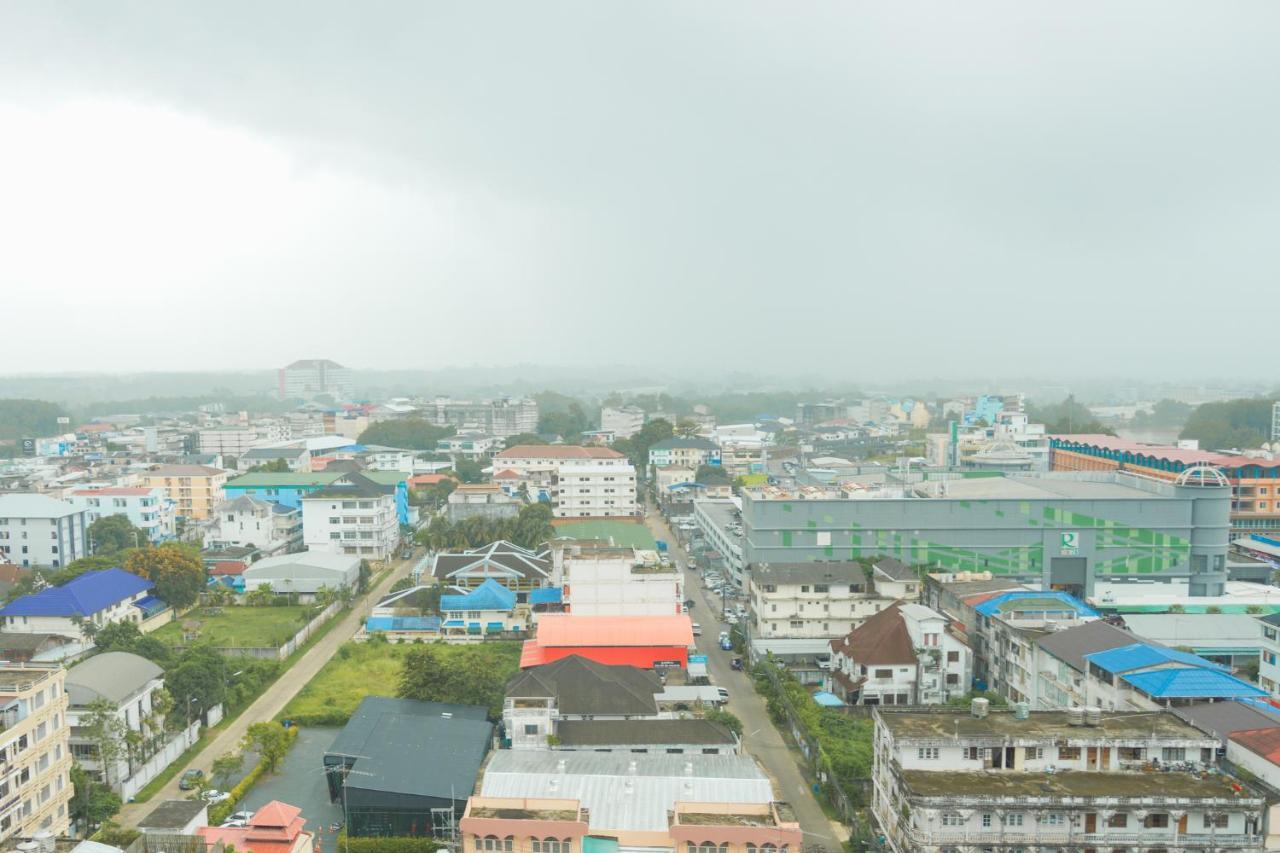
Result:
[
  {"x": 519, "y": 569},
  {"x": 176, "y": 817},
  {"x": 37, "y": 530},
  {"x": 303, "y": 574},
  {"x": 1257, "y": 751},
  {"x": 488, "y": 609},
  {"x": 1146, "y": 676},
  {"x": 903, "y": 655},
  {"x": 485, "y": 500},
  {"x": 895, "y": 579},
  {"x": 39, "y": 648},
  {"x": 148, "y": 508},
  {"x": 94, "y": 598},
  {"x": 684, "y": 452},
  {"x": 267, "y": 527},
  {"x": 1054, "y": 780},
  {"x": 1231, "y": 639},
  {"x": 275, "y": 828}
]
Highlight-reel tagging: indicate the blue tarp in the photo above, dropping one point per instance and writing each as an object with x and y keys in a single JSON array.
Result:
[
  {"x": 490, "y": 595},
  {"x": 546, "y": 595},
  {"x": 828, "y": 700},
  {"x": 403, "y": 623},
  {"x": 150, "y": 604}
]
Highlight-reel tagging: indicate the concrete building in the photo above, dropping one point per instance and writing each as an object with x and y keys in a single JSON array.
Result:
[
  {"x": 573, "y": 478},
  {"x": 623, "y": 421},
  {"x": 1269, "y": 656},
  {"x": 645, "y": 642},
  {"x": 297, "y": 458},
  {"x": 684, "y": 452},
  {"x": 1230, "y": 639},
  {"x": 1061, "y": 668},
  {"x": 304, "y": 573},
  {"x": 148, "y": 508},
  {"x": 246, "y": 522},
  {"x": 502, "y": 417},
  {"x": 100, "y": 597},
  {"x": 35, "y": 750},
  {"x": 352, "y": 515},
  {"x": 488, "y": 609},
  {"x": 608, "y": 581},
  {"x": 476, "y": 447},
  {"x": 1053, "y": 780},
  {"x": 516, "y": 568},
  {"x": 195, "y": 489},
  {"x": 314, "y": 377},
  {"x": 1005, "y": 633},
  {"x": 720, "y": 523},
  {"x": 37, "y": 530},
  {"x": 1059, "y": 530},
  {"x": 1144, "y": 676},
  {"x": 1257, "y": 751},
  {"x": 229, "y": 442},
  {"x": 810, "y": 600},
  {"x": 903, "y": 655},
  {"x": 485, "y": 500}
]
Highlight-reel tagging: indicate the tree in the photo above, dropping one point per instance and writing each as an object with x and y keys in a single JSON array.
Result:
[
  {"x": 523, "y": 439},
  {"x": 175, "y": 569},
  {"x": 118, "y": 637},
  {"x": 469, "y": 471},
  {"x": 726, "y": 719},
  {"x": 407, "y": 433},
  {"x": 112, "y": 534},
  {"x": 88, "y": 628},
  {"x": 198, "y": 681},
  {"x": 438, "y": 493},
  {"x": 366, "y": 575},
  {"x": 562, "y": 416},
  {"x": 1230, "y": 424},
  {"x": 103, "y": 727},
  {"x": 261, "y": 595},
  {"x": 1068, "y": 417},
  {"x": 466, "y": 675},
  {"x": 275, "y": 466},
  {"x": 712, "y": 475},
  {"x": 686, "y": 428},
  {"x": 93, "y": 802},
  {"x": 270, "y": 741},
  {"x": 637, "y": 447},
  {"x": 30, "y": 418},
  {"x": 225, "y": 767}
]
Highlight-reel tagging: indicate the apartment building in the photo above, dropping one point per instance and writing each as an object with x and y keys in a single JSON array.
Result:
[
  {"x": 312, "y": 377},
  {"x": 502, "y": 417},
  {"x": 1053, "y": 780},
  {"x": 686, "y": 452},
  {"x": 903, "y": 655},
  {"x": 1005, "y": 634},
  {"x": 148, "y": 508},
  {"x": 35, "y": 751},
  {"x": 607, "y": 581},
  {"x": 37, "y": 530},
  {"x": 230, "y": 442},
  {"x": 594, "y": 489},
  {"x": 476, "y": 447},
  {"x": 247, "y": 522},
  {"x": 195, "y": 489},
  {"x": 1269, "y": 658},
  {"x": 810, "y": 600},
  {"x": 1061, "y": 667},
  {"x": 622, "y": 421},
  {"x": 536, "y": 466},
  {"x": 352, "y": 515}
]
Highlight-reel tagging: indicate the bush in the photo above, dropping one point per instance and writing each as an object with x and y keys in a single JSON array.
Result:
[
  {"x": 220, "y": 812},
  {"x": 387, "y": 844}
]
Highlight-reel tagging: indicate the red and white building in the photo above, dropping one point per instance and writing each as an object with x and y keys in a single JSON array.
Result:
[{"x": 580, "y": 482}]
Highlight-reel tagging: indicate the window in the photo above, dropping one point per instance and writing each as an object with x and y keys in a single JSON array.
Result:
[
  {"x": 884, "y": 673},
  {"x": 1013, "y": 820},
  {"x": 974, "y": 753},
  {"x": 821, "y": 587},
  {"x": 953, "y": 657},
  {"x": 1173, "y": 753},
  {"x": 1034, "y": 753},
  {"x": 804, "y": 587},
  {"x": 551, "y": 845},
  {"x": 494, "y": 844},
  {"x": 1068, "y": 753},
  {"x": 986, "y": 819},
  {"x": 531, "y": 728},
  {"x": 1119, "y": 820},
  {"x": 952, "y": 819},
  {"x": 1157, "y": 821},
  {"x": 1217, "y": 820},
  {"x": 1054, "y": 819},
  {"x": 927, "y": 753}
]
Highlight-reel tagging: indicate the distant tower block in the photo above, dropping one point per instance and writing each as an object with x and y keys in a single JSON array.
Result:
[{"x": 1275, "y": 421}]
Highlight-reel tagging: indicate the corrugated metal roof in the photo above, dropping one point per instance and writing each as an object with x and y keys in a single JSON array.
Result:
[
  {"x": 83, "y": 596},
  {"x": 568, "y": 630},
  {"x": 1143, "y": 655},
  {"x": 490, "y": 595},
  {"x": 618, "y": 797},
  {"x": 997, "y": 604},
  {"x": 546, "y": 595},
  {"x": 1197, "y": 683}
]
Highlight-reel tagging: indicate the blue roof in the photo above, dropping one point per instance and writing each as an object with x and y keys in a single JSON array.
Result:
[
  {"x": 1143, "y": 655},
  {"x": 403, "y": 623},
  {"x": 490, "y": 595},
  {"x": 150, "y": 604},
  {"x": 546, "y": 595},
  {"x": 992, "y": 606},
  {"x": 1197, "y": 683},
  {"x": 829, "y": 700},
  {"x": 82, "y": 596}
]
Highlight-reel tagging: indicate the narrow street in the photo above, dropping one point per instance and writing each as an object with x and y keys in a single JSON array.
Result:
[
  {"x": 273, "y": 701},
  {"x": 759, "y": 735}
]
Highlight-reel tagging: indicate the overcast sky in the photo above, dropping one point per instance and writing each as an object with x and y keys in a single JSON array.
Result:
[{"x": 871, "y": 190}]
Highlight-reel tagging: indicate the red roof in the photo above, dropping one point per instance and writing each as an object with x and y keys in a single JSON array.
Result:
[
  {"x": 881, "y": 640},
  {"x": 558, "y": 451},
  {"x": 117, "y": 491},
  {"x": 1167, "y": 452},
  {"x": 420, "y": 480},
  {"x": 565, "y": 629},
  {"x": 532, "y": 654},
  {"x": 506, "y": 474},
  {"x": 1264, "y": 742},
  {"x": 274, "y": 828},
  {"x": 227, "y": 567}
]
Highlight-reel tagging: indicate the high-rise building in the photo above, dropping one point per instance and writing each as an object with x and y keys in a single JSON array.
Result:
[
  {"x": 35, "y": 748},
  {"x": 313, "y": 377},
  {"x": 502, "y": 418}
]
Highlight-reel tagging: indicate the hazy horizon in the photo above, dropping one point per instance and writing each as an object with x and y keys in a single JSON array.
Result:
[{"x": 861, "y": 193}]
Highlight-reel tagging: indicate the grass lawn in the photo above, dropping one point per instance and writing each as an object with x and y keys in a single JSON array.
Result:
[
  {"x": 625, "y": 534},
  {"x": 243, "y": 627},
  {"x": 356, "y": 671}
]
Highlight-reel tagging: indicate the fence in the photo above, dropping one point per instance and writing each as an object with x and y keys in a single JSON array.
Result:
[
  {"x": 151, "y": 768},
  {"x": 290, "y": 646}
]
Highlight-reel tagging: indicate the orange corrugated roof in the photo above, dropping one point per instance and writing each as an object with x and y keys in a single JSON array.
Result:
[
  {"x": 558, "y": 451},
  {"x": 1264, "y": 742},
  {"x": 532, "y": 654},
  {"x": 565, "y": 629}
]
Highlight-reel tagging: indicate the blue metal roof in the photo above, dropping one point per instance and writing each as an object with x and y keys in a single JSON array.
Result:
[
  {"x": 1197, "y": 683},
  {"x": 81, "y": 596},
  {"x": 1144, "y": 655},
  {"x": 403, "y": 623},
  {"x": 150, "y": 604},
  {"x": 546, "y": 595},
  {"x": 993, "y": 606},
  {"x": 490, "y": 595},
  {"x": 829, "y": 700}
]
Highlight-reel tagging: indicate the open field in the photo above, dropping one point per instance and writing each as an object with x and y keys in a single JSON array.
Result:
[{"x": 240, "y": 627}]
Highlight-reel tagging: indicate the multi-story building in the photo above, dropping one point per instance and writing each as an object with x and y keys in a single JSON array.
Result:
[
  {"x": 314, "y": 377},
  {"x": 622, "y": 421},
  {"x": 1060, "y": 530},
  {"x": 719, "y": 521},
  {"x": 1061, "y": 669},
  {"x": 1005, "y": 632},
  {"x": 684, "y": 452},
  {"x": 811, "y": 600},
  {"x": 1144, "y": 676},
  {"x": 229, "y": 442},
  {"x": 903, "y": 655},
  {"x": 502, "y": 417},
  {"x": 352, "y": 515},
  {"x": 37, "y": 530},
  {"x": 594, "y": 489},
  {"x": 35, "y": 751},
  {"x": 148, "y": 508},
  {"x": 1254, "y": 480},
  {"x": 1269, "y": 659},
  {"x": 1055, "y": 780},
  {"x": 267, "y": 527},
  {"x": 195, "y": 489},
  {"x": 608, "y": 581},
  {"x": 474, "y": 446},
  {"x": 297, "y": 458}
]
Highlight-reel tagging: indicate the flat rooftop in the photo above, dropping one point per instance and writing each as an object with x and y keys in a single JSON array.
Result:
[
  {"x": 1040, "y": 724},
  {"x": 983, "y": 784},
  {"x": 1159, "y": 596},
  {"x": 1040, "y": 487},
  {"x": 523, "y": 814}
]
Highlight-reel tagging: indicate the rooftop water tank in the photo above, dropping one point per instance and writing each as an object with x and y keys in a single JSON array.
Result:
[
  {"x": 1093, "y": 715},
  {"x": 979, "y": 707},
  {"x": 1075, "y": 716},
  {"x": 1021, "y": 710}
]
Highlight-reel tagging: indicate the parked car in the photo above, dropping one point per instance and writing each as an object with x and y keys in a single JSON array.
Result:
[
  {"x": 688, "y": 604},
  {"x": 244, "y": 816},
  {"x": 229, "y": 822},
  {"x": 731, "y": 618},
  {"x": 697, "y": 630},
  {"x": 191, "y": 779},
  {"x": 214, "y": 796},
  {"x": 726, "y": 644}
]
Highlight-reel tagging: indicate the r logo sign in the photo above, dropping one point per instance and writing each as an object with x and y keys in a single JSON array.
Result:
[{"x": 1070, "y": 542}]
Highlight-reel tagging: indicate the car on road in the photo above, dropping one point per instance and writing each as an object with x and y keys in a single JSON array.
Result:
[
  {"x": 214, "y": 796},
  {"x": 731, "y": 618},
  {"x": 688, "y": 604},
  {"x": 245, "y": 816},
  {"x": 726, "y": 644},
  {"x": 697, "y": 630},
  {"x": 191, "y": 779}
]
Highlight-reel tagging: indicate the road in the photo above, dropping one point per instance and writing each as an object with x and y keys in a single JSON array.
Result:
[
  {"x": 759, "y": 735},
  {"x": 272, "y": 702}
]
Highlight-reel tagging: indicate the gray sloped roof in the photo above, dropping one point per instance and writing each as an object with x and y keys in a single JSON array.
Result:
[
  {"x": 1073, "y": 644},
  {"x": 173, "y": 814},
  {"x": 114, "y": 676},
  {"x": 582, "y": 686},
  {"x": 1221, "y": 719},
  {"x": 642, "y": 732}
]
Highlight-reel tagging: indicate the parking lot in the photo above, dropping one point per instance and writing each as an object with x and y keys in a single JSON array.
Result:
[{"x": 300, "y": 781}]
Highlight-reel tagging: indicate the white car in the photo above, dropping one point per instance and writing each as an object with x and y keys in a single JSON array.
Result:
[
  {"x": 213, "y": 796},
  {"x": 244, "y": 816}
]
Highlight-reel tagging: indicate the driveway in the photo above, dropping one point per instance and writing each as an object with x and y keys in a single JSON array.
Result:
[
  {"x": 759, "y": 736},
  {"x": 273, "y": 701}
]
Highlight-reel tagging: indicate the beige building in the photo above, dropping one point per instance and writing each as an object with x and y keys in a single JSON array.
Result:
[
  {"x": 196, "y": 489},
  {"x": 35, "y": 751}
]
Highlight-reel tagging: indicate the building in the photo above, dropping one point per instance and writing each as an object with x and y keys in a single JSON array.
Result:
[
  {"x": 692, "y": 736},
  {"x": 490, "y": 608},
  {"x": 127, "y": 683},
  {"x": 176, "y": 817},
  {"x": 1006, "y": 630},
  {"x": 1255, "y": 501},
  {"x": 476, "y": 447},
  {"x": 1231, "y": 639},
  {"x": 1269, "y": 656},
  {"x": 304, "y": 573},
  {"x": 646, "y": 642},
  {"x": 622, "y": 421},
  {"x": 608, "y": 581},
  {"x": 484, "y": 500},
  {"x": 1257, "y": 752},
  {"x": 1061, "y": 669},
  {"x": 605, "y": 801},
  {"x": 537, "y": 469},
  {"x": 37, "y": 530},
  {"x": 1060, "y": 530},
  {"x": 195, "y": 489},
  {"x": 36, "y": 751},
  {"x": 720, "y": 522},
  {"x": 903, "y": 655},
  {"x": 99, "y": 598},
  {"x": 286, "y": 488},
  {"x": 229, "y": 442},
  {"x": 1144, "y": 676},
  {"x": 503, "y": 417},
  {"x": 297, "y": 458},
  {"x": 40, "y": 648},
  {"x": 594, "y": 489},
  {"x": 275, "y": 828},
  {"x": 148, "y": 508},
  {"x": 376, "y": 765},
  {"x": 266, "y": 527},
  {"x": 810, "y": 600},
  {"x": 314, "y": 377},
  {"x": 684, "y": 452},
  {"x": 1053, "y": 780},
  {"x": 516, "y": 568},
  {"x": 352, "y": 515},
  {"x": 540, "y": 699}
]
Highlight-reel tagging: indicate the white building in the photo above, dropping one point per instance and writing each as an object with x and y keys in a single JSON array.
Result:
[
  {"x": 304, "y": 573},
  {"x": 1258, "y": 752},
  {"x": 248, "y": 522},
  {"x": 313, "y": 377},
  {"x": 903, "y": 655},
  {"x": 594, "y": 489},
  {"x": 720, "y": 522},
  {"x": 296, "y": 457},
  {"x": 1005, "y": 630},
  {"x": 352, "y": 515},
  {"x": 1053, "y": 780},
  {"x": 813, "y": 600},
  {"x": 99, "y": 597},
  {"x": 538, "y": 468},
  {"x": 623, "y": 421},
  {"x": 148, "y": 508},
  {"x": 1269, "y": 659},
  {"x": 606, "y": 581},
  {"x": 476, "y": 447},
  {"x": 229, "y": 441},
  {"x": 502, "y": 417},
  {"x": 37, "y": 530}
]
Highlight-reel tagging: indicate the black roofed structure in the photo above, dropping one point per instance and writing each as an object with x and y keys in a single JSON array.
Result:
[
  {"x": 659, "y": 736},
  {"x": 582, "y": 687}
]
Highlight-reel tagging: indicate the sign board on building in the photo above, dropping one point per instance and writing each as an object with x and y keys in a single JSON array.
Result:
[
  {"x": 1070, "y": 543},
  {"x": 29, "y": 446},
  {"x": 64, "y": 421}
]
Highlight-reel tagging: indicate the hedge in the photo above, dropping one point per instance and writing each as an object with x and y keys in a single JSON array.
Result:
[
  {"x": 223, "y": 810},
  {"x": 387, "y": 844}
]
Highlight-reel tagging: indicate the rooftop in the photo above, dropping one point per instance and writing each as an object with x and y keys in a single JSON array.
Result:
[
  {"x": 173, "y": 814},
  {"x": 1041, "y": 725},
  {"x": 582, "y": 686},
  {"x": 642, "y": 732},
  {"x": 34, "y": 506},
  {"x": 555, "y": 629},
  {"x": 489, "y": 595},
  {"x": 1074, "y": 643},
  {"x": 966, "y": 785},
  {"x": 81, "y": 596},
  {"x": 793, "y": 573},
  {"x": 1140, "y": 452},
  {"x": 523, "y": 813},
  {"x": 558, "y": 451},
  {"x": 114, "y": 676}
]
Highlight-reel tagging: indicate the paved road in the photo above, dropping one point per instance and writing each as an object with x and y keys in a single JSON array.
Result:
[
  {"x": 272, "y": 702},
  {"x": 759, "y": 735}
]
